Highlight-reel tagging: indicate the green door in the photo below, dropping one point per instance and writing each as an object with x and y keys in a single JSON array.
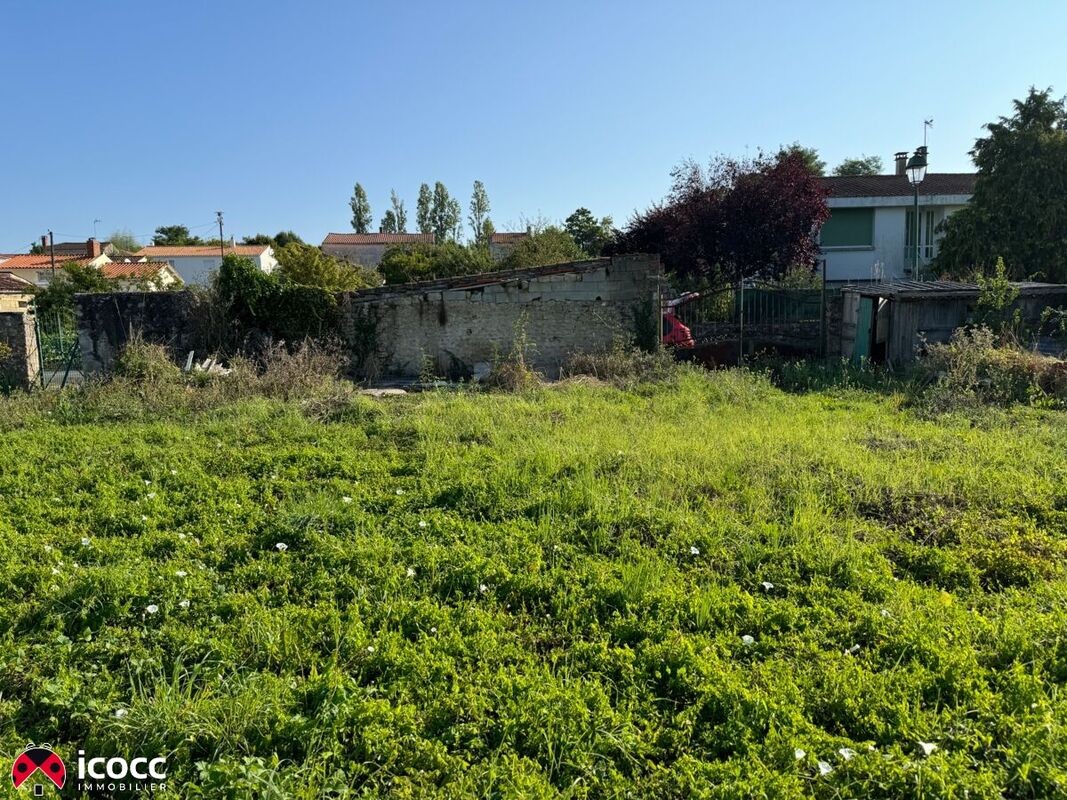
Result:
[{"x": 861, "y": 349}]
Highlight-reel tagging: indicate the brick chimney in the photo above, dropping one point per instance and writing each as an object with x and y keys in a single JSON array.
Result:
[
  {"x": 92, "y": 248},
  {"x": 902, "y": 162}
]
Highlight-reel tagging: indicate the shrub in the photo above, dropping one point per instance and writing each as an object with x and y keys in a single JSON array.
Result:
[
  {"x": 424, "y": 262},
  {"x": 146, "y": 363},
  {"x": 971, "y": 369},
  {"x": 513, "y": 373},
  {"x": 623, "y": 365}
]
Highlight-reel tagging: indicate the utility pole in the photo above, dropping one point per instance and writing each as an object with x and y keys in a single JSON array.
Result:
[
  {"x": 52, "y": 250},
  {"x": 222, "y": 244}
]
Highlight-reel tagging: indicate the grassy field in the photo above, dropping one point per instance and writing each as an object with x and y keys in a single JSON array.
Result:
[{"x": 707, "y": 589}]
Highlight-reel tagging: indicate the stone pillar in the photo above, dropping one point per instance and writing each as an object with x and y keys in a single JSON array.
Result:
[{"x": 19, "y": 361}]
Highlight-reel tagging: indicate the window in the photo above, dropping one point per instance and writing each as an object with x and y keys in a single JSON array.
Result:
[
  {"x": 848, "y": 227},
  {"x": 927, "y": 228}
]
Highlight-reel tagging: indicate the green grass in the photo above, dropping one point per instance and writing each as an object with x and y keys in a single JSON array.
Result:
[{"x": 543, "y": 595}]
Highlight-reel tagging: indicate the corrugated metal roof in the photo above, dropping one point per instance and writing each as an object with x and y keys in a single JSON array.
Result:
[{"x": 933, "y": 290}]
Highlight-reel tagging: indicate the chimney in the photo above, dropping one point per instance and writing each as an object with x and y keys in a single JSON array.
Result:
[
  {"x": 44, "y": 242},
  {"x": 92, "y": 248},
  {"x": 902, "y": 162}
]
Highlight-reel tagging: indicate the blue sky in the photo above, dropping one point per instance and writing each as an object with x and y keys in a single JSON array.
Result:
[{"x": 142, "y": 114}]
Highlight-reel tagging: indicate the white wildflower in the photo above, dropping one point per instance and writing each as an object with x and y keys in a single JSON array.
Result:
[
  {"x": 748, "y": 640},
  {"x": 174, "y": 472},
  {"x": 147, "y": 482},
  {"x": 85, "y": 541},
  {"x": 281, "y": 547},
  {"x": 927, "y": 747},
  {"x": 483, "y": 588},
  {"x": 885, "y": 612},
  {"x": 824, "y": 768},
  {"x": 399, "y": 492},
  {"x": 121, "y": 712},
  {"x": 151, "y": 495},
  {"x": 423, "y": 523},
  {"x": 851, "y": 651},
  {"x": 411, "y": 572},
  {"x": 370, "y": 648},
  {"x": 846, "y": 753},
  {"x": 694, "y": 551},
  {"x": 799, "y": 754},
  {"x": 767, "y": 586},
  {"x": 183, "y": 603},
  {"x": 346, "y": 499},
  {"x": 433, "y": 629},
  {"x": 181, "y": 573},
  {"x": 152, "y": 609}
]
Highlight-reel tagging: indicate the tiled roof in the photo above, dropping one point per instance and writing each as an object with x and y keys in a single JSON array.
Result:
[
  {"x": 907, "y": 290},
  {"x": 131, "y": 269},
  {"x": 161, "y": 251},
  {"x": 507, "y": 237},
  {"x": 898, "y": 185},
  {"x": 39, "y": 262},
  {"x": 14, "y": 284},
  {"x": 378, "y": 238}
]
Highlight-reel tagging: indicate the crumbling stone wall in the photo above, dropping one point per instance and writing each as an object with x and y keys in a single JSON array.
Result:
[
  {"x": 458, "y": 327},
  {"x": 106, "y": 322},
  {"x": 19, "y": 360}
]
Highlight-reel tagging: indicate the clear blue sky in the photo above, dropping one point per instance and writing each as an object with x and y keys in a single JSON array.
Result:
[{"x": 143, "y": 114}]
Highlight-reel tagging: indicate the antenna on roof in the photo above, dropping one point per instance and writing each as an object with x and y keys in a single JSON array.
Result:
[{"x": 927, "y": 124}]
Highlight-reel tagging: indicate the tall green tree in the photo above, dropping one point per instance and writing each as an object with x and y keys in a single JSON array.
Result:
[
  {"x": 809, "y": 155},
  {"x": 423, "y": 209},
  {"x": 175, "y": 236},
  {"x": 389, "y": 222},
  {"x": 400, "y": 214},
  {"x": 361, "y": 214},
  {"x": 481, "y": 225},
  {"x": 1019, "y": 208},
  {"x": 591, "y": 234},
  {"x": 445, "y": 215},
  {"x": 864, "y": 165},
  {"x": 123, "y": 240},
  {"x": 305, "y": 265}
]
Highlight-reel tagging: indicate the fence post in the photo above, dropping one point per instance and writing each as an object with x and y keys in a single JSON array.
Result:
[
  {"x": 824, "y": 338},
  {"x": 740, "y": 321}
]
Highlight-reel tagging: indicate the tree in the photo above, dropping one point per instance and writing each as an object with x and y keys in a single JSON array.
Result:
[
  {"x": 590, "y": 234},
  {"x": 481, "y": 225},
  {"x": 304, "y": 265},
  {"x": 445, "y": 215},
  {"x": 400, "y": 214},
  {"x": 552, "y": 245},
  {"x": 864, "y": 165},
  {"x": 1019, "y": 208},
  {"x": 123, "y": 240},
  {"x": 388, "y": 224},
  {"x": 57, "y": 299},
  {"x": 280, "y": 239},
  {"x": 175, "y": 236},
  {"x": 423, "y": 213},
  {"x": 739, "y": 219},
  {"x": 809, "y": 154},
  {"x": 361, "y": 215},
  {"x": 404, "y": 264}
]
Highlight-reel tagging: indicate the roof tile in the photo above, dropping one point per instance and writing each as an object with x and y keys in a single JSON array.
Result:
[{"x": 898, "y": 185}]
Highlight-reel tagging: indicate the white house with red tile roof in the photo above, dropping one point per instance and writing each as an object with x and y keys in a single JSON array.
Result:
[
  {"x": 870, "y": 235},
  {"x": 37, "y": 269},
  {"x": 368, "y": 248},
  {"x": 141, "y": 275},
  {"x": 197, "y": 265}
]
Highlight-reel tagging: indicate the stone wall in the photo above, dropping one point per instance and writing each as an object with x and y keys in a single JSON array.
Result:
[
  {"x": 176, "y": 320},
  {"x": 19, "y": 359},
  {"x": 457, "y": 327}
]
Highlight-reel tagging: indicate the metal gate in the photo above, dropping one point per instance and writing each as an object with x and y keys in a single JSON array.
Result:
[{"x": 58, "y": 349}]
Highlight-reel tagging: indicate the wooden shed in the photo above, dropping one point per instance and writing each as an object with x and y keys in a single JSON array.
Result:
[{"x": 891, "y": 322}]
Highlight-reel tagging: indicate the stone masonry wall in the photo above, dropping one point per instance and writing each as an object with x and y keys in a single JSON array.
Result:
[
  {"x": 106, "y": 321},
  {"x": 459, "y": 327},
  {"x": 19, "y": 360}
]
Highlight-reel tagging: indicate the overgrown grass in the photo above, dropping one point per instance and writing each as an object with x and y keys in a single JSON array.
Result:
[{"x": 701, "y": 589}]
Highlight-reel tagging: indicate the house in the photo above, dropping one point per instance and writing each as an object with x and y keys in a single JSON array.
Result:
[
  {"x": 891, "y": 322},
  {"x": 141, "y": 275},
  {"x": 37, "y": 269},
  {"x": 368, "y": 248},
  {"x": 16, "y": 294},
  {"x": 870, "y": 235},
  {"x": 197, "y": 265},
  {"x": 66, "y": 251},
  {"x": 501, "y": 244}
]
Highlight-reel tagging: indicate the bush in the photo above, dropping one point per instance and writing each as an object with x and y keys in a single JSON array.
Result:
[
  {"x": 513, "y": 373},
  {"x": 972, "y": 369},
  {"x": 624, "y": 365},
  {"x": 424, "y": 262}
]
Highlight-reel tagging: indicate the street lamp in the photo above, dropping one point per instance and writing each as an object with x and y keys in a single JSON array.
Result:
[{"x": 916, "y": 171}]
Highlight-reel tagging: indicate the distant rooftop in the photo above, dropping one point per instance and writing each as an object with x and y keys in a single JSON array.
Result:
[
  {"x": 160, "y": 251},
  {"x": 935, "y": 183},
  {"x": 507, "y": 237},
  {"x": 378, "y": 238},
  {"x": 13, "y": 284},
  {"x": 932, "y": 290}
]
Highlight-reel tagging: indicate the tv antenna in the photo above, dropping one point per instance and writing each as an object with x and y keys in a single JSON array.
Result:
[{"x": 927, "y": 125}]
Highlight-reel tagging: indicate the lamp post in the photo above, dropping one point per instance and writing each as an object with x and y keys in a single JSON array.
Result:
[{"x": 916, "y": 172}]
